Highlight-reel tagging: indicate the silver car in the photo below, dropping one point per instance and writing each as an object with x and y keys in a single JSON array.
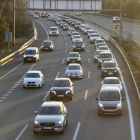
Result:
[
  {"x": 52, "y": 116},
  {"x": 87, "y": 29},
  {"x": 112, "y": 82},
  {"x": 96, "y": 55},
  {"x": 90, "y": 32},
  {"x": 94, "y": 37},
  {"x": 74, "y": 71},
  {"x": 103, "y": 48},
  {"x": 73, "y": 57},
  {"x": 70, "y": 31},
  {"x": 77, "y": 38},
  {"x": 74, "y": 33},
  {"x": 99, "y": 41}
]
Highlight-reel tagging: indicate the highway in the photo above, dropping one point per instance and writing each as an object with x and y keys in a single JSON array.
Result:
[
  {"x": 17, "y": 105},
  {"x": 129, "y": 27}
]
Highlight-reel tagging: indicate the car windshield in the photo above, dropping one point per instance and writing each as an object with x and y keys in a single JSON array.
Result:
[
  {"x": 94, "y": 35},
  {"x": 74, "y": 67},
  {"x": 53, "y": 29},
  {"x": 46, "y": 43},
  {"x": 75, "y": 33},
  {"x": 110, "y": 96},
  {"x": 32, "y": 75},
  {"x": 109, "y": 64},
  {"x": 87, "y": 28},
  {"x": 61, "y": 83},
  {"x": 111, "y": 81},
  {"x": 97, "y": 52},
  {"x": 65, "y": 25},
  {"x": 78, "y": 23},
  {"x": 91, "y": 31},
  {"x": 103, "y": 48},
  {"x": 105, "y": 55},
  {"x": 79, "y": 43},
  {"x": 30, "y": 52},
  {"x": 73, "y": 55},
  {"x": 77, "y": 37},
  {"x": 49, "y": 111}
]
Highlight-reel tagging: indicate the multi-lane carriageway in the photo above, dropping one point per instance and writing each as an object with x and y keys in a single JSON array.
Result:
[{"x": 17, "y": 105}]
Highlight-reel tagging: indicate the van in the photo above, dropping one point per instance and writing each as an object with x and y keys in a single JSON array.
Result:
[{"x": 54, "y": 31}]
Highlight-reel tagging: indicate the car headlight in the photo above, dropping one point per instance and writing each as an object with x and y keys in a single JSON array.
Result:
[
  {"x": 53, "y": 92},
  {"x": 116, "y": 71},
  {"x": 119, "y": 105},
  {"x": 78, "y": 59},
  {"x": 83, "y": 46},
  {"x": 24, "y": 81},
  {"x": 59, "y": 122},
  {"x": 35, "y": 122},
  {"x": 38, "y": 81},
  {"x": 79, "y": 72},
  {"x": 100, "y": 61},
  {"x": 68, "y": 59},
  {"x": 104, "y": 70},
  {"x": 24, "y": 55},
  {"x": 34, "y": 56},
  {"x": 68, "y": 92},
  {"x": 74, "y": 46},
  {"x": 100, "y": 105}
]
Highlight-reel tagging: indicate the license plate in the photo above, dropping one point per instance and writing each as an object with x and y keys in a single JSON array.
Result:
[
  {"x": 47, "y": 128},
  {"x": 46, "y": 48},
  {"x": 29, "y": 59},
  {"x": 110, "y": 73},
  {"x": 31, "y": 84},
  {"x": 60, "y": 95}
]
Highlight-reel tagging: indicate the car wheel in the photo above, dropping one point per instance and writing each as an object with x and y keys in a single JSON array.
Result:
[
  {"x": 83, "y": 50},
  {"x": 67, "y": 63},
  {"x": 41, "y": 50},
  {"x": 94, "y": 61},
  {"x": 35, "y": 132},
  {"x": 103, "y": 76},
  {"x": 24, "y": 87},
  {"x": 40, "y": 86},
  {"x": 66, "y": 121},
  {"x": 73, "y": 50}
]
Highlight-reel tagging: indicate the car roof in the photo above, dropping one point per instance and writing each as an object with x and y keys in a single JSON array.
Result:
[
  {"x": 77, "y": 35},
  {"x": 105, "y": 53},
  {"x": 47, "y": 41},
  {"x": 75, "y": 64},
  {"x": 73, "y": 52},
  {"x": 100, "y": 39},
  {"x": 95, "y": 34},
  {"x": 109, "y": 61},
  {"x": 71, "y": 29},
  {"x": 51, "y": 103},
  {"x": 34, "y": 71},
  {"x": 110, "y": 89},
  {"x": 62, "y": 78},
  {"x": 76, "y": 32},
  {"x": 32, "y": 48},
  {"x": 53, "y": 27},
  {"x": 103, "y": 46}
]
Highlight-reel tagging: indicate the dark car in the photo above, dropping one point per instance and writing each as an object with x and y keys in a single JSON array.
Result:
[
  {"x": 73, "y": 57},
  {"x": 110, "y": 101},
  {"x": 66, "y": 27},
  {"x": 104, "y": 56},
  {"x": 47, "y": 45},
  {"x": 44, "y": 15},
  {"x": 62, "y": 88},
  {"x": 110, "y": 68},
  {"x": 78, "y": 45}
]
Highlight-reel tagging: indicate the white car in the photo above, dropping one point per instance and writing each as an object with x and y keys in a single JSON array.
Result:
[
  {"x": 70, "y": 31},
  {"x": 116, "y": 19},
  {"x": 90, "y": 32},
  {"x": 87, "y": 29},
  {"x": 78, "y": 14},
  {"x": 81, "y": 26},
  {"x": 54, "y": 31},
  {"x": 77, "y": 38},
  {"x": 36, "y": 16},
  {"x": 112, "y": 82},
  {"x": 99, "y": 41},
  {"x": 105, "y": 48},
  {"x": 33, "y": 79},
  {"x": 94, "y": 37},
  {"x": 74, "y": 33}
]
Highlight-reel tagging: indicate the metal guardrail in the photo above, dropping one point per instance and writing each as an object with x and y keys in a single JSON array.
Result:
[
  {"x": 22, "y": 48},
  {"x": 109, "y": 38}
]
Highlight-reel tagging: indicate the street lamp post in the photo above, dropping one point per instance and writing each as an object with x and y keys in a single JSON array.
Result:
[
  {"x": 120, "y": 22},
  {"x": 13, "y": 22}
]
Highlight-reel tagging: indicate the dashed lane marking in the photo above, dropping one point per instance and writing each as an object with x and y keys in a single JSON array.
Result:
[{"x": 86, "y": 95}]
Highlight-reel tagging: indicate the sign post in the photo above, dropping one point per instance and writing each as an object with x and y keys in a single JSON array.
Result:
[{"x": 8, "y": 36}]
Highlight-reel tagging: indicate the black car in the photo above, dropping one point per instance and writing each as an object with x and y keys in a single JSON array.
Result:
[
  {"x": 73, "y": 57},
  {"x": 109, "y": 68},
  {"x": 78, "y": 45},
  {"x": 62, "y": 88},
  {"x": 44, "y": 15},
  {"x": 47, "y": 45}
]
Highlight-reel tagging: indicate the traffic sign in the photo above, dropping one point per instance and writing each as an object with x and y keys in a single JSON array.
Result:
[
  {"x": 117, "y": 27},
  {"x": 8, "y": 36}
]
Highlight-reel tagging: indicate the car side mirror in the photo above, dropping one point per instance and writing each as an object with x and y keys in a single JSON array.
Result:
[
  {"x": 97, "y": 99},
  {"x": 35, "y": 112},
  {"x": 122, "y": 98}
]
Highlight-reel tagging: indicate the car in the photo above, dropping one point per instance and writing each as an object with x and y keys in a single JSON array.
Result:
[
  {"x": 105, "y": 56},
  {"x": 73, "y": 57},
  {"x": 69, "y": 21},
  {"x": 51, "y": 116},
  {"x": 112, "y": 82},
  {"x": 109, "y": 68},
  {"x": 77, "y": 38},
  {"x": 31, "y": 54},
  {"x": 74, "y": 33},
  {"x": 70, "y": 31},
  {"x": 58, "y": 21},
  {"x": 44, "y": 15},
  {"x": 78, "y": 45},
  {"x": 62, "y": 23},
  {"x": 78, "y": 14},
  {"x": 73, "y": 22},
  {"x": 87, "y": 29},
  {"x": 109, "y": 101},
  {"x": 90, "y": 32},
  {"x": 66, "y": 18},
  {"x": 50, "y": 18},
  {"x": 74, "y": 71},
  {"x": 47, "y": 45},
  {"x": 98, "y": 41},
  {"x": 54, "y": 19},
  {"x": 33, "y": 78},
  {"x": 54, "y": 31},
  {"x": 77, "y": 24},
  {"x": 103, "y": 48},
  {"x": 62, "y": 88},
  {"x": 96, "y": 55},
  {"x": 116, "y": 19},
  {"x": 66, "y": 27},
  {"x": 82, "y": 26},
  {"x": 94, "y": 37},
  {"x": 36, "y": 16},
  {"x": 100, "y": 44}
]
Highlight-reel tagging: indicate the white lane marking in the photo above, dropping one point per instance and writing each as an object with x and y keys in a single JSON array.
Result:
[
  {"x": 1, "y": 101},
  {"x": 65, "y": 51},
  {"x": 9, "y": 91},
  {"x": 18, "y": 82},
  {"x": 87, "y": 51},
  {"x": 63, "y": 61},
  {"x": 132, "y": 32},
  {"x": 88, "y": 74},
  {"x": 86, "y": 95},
  {"x": 89, "y": 60},
  {"x": 66, "y": 44},
  {"x": 85, "y": 44},
  {"x": 44, "y": 29},
  {"x": 77, "y": 129},
  {"x": 46, "y": 96},
  {"x": 6, "y": 94},
  {"x": 65, "y": 38},
  {"x": 62, "y": 34},
  {"x": 11, "y": 70},
  {"x": 129, "y": 107},
  {"x": 57, "y": 74},
  {"x": 3, "y": 98},
  {"x": 22, "y": 132},
  {"x": 14, "y": 86}
]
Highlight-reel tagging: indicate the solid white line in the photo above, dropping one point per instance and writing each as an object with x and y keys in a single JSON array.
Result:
[
  {"x": 63, "y": 61},
  {"x": 129, "y": 107},
  {"x": 6, "y": 94},
  {"x": 11, "y": 70},
  {"x": 88, "y": 74},
  {"x": 86, "y": 95},
  {"x": 46, "y": 96},
  {"x": 77, "y": 129},
  {"x": 87, "y": 51},
  {"x": 44, "y": 29},
  {"x": 65, "y": 51},
  {"x": 16, "y": 84},
  {"x": 57, "y": 74},
  {"x": 1, "y": 101},
  {"x": 89, "y": 60},
  {"x": 22, "y": 132}
]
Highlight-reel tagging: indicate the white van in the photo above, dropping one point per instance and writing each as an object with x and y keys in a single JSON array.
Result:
[{"x": 54, "y": 31}]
